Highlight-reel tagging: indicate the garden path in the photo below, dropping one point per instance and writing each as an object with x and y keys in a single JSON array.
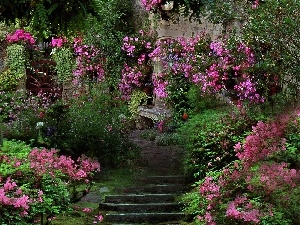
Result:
[
  {"x": 162, "y": 162},
  {"x": 157, "y": 159}
]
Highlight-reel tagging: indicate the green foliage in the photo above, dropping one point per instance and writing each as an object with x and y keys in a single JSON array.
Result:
[
  {"x": 56, "y": 196},
  {"x": 18, "y": 149},
  {"x": 137, "y": 98},
  {"x": 167, "y": 139},
  {"x": 24, "y": 128},
  {"x": 16, "y": 62},
  {"x": 277, "y": 218},
  {"x": 177, "y": 95},
  {"x": 4, "y": 30},
  {"x": 272, "y": 32},
  {"x": 94, "y": 125},
  {"x": 15, "y": 149},
  {"x": 211, "y": 137},
  {"x": 149, "y": 134},
  {"x": 198, "y": 102},
  {"x": 8, "y": 81},
  {"x": 9, "y": 107},
  {"x": 65, "y": 64},
  {"x": 113, "y": 23},
  {"x": 292, "y": 153}
]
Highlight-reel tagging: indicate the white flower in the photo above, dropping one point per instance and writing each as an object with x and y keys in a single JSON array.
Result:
[{"x": 39, "y": 125}]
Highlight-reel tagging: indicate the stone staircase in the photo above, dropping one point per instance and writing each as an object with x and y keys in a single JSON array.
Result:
[{"x": 151, "y": 201}]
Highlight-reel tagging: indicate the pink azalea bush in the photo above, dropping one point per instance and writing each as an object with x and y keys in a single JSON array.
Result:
[
  {"x": 256, "y": 189},
  {"x": 40, "y": 181},
  {"x": 43, "y": 161},
  {"x": 58, "y": 42},
  {"x": 20, "y": 36}
]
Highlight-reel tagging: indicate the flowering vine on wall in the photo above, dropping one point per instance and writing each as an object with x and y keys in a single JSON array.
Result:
[
  {"x": 77, "y": 61},
  {"x": 137, "y": 70}
]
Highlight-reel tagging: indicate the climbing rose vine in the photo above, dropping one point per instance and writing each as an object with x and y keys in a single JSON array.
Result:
[
  {"x": 89, "y": 62},
  {"x": 215, "y": 66},
  {"x": 137, "y": 69}
]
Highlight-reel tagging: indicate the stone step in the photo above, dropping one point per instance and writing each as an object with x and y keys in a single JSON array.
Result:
[
  {"x": 137, "y": 208},
  {"x": 174, "y": 179},
  {"x": 152, "y": 218},
  {"x": 155, "y": 189},
  {"x": 140, "y": 198}
]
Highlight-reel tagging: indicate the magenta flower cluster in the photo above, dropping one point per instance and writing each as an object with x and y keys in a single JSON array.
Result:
[
  {"x": 20, "y": 36},
  {"x": 58, "y": 42},
  {"x": 132, "y": 77},
  {"x": 134, "y": 72},
  {"x": 140, "y": 44},
  {"x": 253, "y": 186},
  {"x": 173, "y": 62},
  {"x": 215, "y": 66},
  {"x": 265, "y": 140},
  {"x": 150, "y": 4},
  {"x": 212, "y": 65},
  {"x": 89, "y": 64},
  {"x": 12, "y": 196}
]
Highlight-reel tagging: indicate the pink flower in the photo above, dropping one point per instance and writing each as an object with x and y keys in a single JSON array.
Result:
[
  {"x": 20, "y": 36},
  {"x": 98, "y": 218},
  {"x": 150, "y": 4},
  {"x": 58, "y": 42},
  {"x": 22, "y": 202},
  {"x": 87, "y": 210},
  {"x": 8, "y": 186}
]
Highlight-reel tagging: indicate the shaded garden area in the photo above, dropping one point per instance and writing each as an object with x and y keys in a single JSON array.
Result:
[{"x": 71, "y": 84}]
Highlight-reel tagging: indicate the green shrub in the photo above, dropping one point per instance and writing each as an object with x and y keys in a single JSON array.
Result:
[
  {"x": 94, "y": 125},
  {"x": 21, "y": 113},
  {"x": 209, "y": 139}
]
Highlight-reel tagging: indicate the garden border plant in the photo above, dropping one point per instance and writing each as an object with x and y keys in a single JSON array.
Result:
[
  {"x": 39, "y": 181},
  {"x": 255, "y": 188}
]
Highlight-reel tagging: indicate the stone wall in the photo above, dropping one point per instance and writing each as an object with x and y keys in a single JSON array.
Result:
[
  {"x": 168, "y": 29},
  {"x": 181, "y": 28},
  {"x": 185, "y": 28}
]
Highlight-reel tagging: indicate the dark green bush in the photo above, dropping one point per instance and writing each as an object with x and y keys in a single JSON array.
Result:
[
  {"x": 94, "y": 125},
  {"x": 209, "y": 139}
]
